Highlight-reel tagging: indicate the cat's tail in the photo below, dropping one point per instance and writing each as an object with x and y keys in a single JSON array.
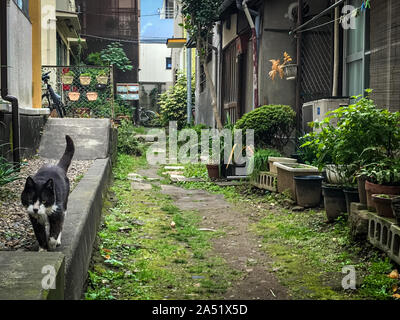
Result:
[{"x": 66, "y": 159}]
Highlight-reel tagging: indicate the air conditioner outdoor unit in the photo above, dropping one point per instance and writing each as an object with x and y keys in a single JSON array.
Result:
[{"x": 317, "y": 110}]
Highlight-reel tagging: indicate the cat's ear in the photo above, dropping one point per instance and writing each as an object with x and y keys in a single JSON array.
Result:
[
  {"x": 30, "y": 184},
  {"x": 49, "y": 185}
]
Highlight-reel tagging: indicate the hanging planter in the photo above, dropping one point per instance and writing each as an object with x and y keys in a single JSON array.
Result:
[
  {"x": 290, "y": 71},
  {"x": 85, "y": 79},
  {"x": 74, "y": 96},
  {"x": 102, "y": 79},
  {"x": 67, "y": 79},
  {"x": 92, "y": 96}
]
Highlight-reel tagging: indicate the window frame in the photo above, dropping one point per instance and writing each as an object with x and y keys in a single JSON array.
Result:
[{"x": 23, "y": 6}]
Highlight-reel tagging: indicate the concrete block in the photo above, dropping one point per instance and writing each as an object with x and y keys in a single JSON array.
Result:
[
  {"x": 22, "y": 275},
  {"x": 358, "y": 221},
  {"x": 384, "y": 234}
]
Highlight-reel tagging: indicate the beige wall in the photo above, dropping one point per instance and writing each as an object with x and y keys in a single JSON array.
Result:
[{"x": 229, "y": 35}]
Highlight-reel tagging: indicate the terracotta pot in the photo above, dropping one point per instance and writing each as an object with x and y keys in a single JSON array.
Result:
[
  {"x": 372, "y": 188},
  {"x": 92, "y": 96},
  {"x": 384, "y": 205},
  {"x": 74, "y": 96},
  {"x": 85, "y": 80},
  {"x": 213, "y": 171}
]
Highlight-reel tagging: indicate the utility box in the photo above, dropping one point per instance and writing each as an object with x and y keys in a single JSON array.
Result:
[{"x": 317, "y": 110}]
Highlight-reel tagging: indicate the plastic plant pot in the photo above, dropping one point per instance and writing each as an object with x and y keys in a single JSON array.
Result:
[
  {"x": 334, "y": 201},
  {"x": 308, "y": 190},
  {"x": 351, "y": 195},
  {"x": 213, "y": 171}
]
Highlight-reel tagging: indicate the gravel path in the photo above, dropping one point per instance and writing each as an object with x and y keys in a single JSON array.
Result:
[{"x": 15, "y": 228}]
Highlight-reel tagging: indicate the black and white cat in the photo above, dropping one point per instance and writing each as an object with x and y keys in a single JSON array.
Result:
[{"x": 46, "y": 197}]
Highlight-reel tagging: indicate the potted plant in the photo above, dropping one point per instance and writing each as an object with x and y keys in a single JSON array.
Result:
[
  {"x": 92, "y": 96},
  {"x": 102, "y": 77},
  {"x": 68, "y": 78},
  {"x": 85, "y": 79},
  {"x": 213, "y": 170},
  {"x": 383, "y": 204},
  {"x": 284, "y": 69},
  {"x": 74, "y": 96},
  {"x": 383, "y": 177}
]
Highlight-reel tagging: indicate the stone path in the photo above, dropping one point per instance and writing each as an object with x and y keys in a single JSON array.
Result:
[{"x": 240, "y": 247}]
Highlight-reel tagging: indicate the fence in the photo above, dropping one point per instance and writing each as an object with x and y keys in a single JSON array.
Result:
[{"x": 86, "y": 91}]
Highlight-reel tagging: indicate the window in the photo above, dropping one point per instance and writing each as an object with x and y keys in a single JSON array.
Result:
[
  {"x": 168, "y": 63},
  {"x": 23, "y": 5},
  {"x": 356, "y": 54}
]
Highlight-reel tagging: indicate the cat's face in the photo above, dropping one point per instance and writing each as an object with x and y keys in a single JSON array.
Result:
[{"x": 38, "y": 198}]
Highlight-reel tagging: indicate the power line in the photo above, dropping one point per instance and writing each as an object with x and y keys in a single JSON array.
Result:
[
  {"x": 113, "y": 15},
  {"x": 124, "y": 40}
]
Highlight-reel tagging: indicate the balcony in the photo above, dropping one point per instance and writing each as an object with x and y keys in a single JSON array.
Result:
[{"x": 67, "y": 18}]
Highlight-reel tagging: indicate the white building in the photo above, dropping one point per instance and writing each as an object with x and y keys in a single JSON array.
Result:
[{"x": 155, "y": 71}]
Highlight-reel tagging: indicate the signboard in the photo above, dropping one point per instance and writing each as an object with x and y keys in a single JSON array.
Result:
[{"x": 128, "y": 91}]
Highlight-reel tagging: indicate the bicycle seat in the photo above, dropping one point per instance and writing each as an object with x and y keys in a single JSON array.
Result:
[{"x": 46, "y": 76}]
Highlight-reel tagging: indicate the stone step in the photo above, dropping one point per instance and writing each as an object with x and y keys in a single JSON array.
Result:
[{"x": 91, "y": 138}]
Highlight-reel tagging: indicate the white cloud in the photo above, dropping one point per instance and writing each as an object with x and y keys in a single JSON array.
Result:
[{"x": 147, "y": 25}]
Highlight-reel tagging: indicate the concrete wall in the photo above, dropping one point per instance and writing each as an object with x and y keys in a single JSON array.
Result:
[
  {"x": 229, "y": 34},
  {"x": 19, "y": 56},
  {"x": 273, "y": 45},
  {"x": 49, "y": 33},
  {"x": 153, "y": 63}
]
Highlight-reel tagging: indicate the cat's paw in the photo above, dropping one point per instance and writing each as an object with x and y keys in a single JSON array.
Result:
[
  {"x": 52, "y": 244},
  {"x": 42, "y": 250}
]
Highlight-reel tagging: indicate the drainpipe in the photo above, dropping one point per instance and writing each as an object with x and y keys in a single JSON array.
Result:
[
  {"x": 4, "y": 83},
  {"x": 299, "y": 69},
  {"x": 255, "y": 36},
  {"x": 335, "y": 90},
  {"x": 189, "y": 85}
]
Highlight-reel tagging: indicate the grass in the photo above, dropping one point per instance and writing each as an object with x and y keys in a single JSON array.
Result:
[
  {"x": 141, "y": 256},
  {"x": 308, "y": 253}
]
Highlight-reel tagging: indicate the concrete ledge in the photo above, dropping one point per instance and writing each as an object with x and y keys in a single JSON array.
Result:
[
  {"x": 358, "y": 221},
  {"x": 81, "y": 225},
  {"x": 21, "y": 275}
]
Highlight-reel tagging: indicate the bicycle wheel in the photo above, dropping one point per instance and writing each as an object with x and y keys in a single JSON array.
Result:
[{"x": 59, "y": 111}]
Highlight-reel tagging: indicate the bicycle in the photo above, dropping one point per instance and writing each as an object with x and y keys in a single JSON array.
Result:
[
  {"x": 53, "y": 99},
  {"x": 147, "y": 116}
]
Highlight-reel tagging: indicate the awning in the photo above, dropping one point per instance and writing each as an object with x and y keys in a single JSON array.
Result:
[{"x": 176, "y": 42}]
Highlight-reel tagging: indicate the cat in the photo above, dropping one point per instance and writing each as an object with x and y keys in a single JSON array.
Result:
[{"x": 45, "y": 198}]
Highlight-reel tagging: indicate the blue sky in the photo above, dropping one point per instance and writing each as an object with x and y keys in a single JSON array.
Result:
[{"x": 153, "y": 26}]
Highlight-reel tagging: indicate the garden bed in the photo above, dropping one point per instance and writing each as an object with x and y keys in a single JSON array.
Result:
[{"x": 16, "y": 232}]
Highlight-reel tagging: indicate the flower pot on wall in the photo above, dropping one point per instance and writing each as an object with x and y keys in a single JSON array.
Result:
[
  {"x": 85, "y": 80},
  {"x": 290, "y": 71},
  {"x": 74, "y": 96},
  {"x": 383, "y": 204},
  {"x": 372, "y": 188},
  {"x": 271, "y": 160},
  {"x": 334, "y": 201},
  {"x": 92, "y": 96},
  {"x": 67, "y": 79},
  {"x": 102, "y": 79},
  {"x": 308, "y": 190}
]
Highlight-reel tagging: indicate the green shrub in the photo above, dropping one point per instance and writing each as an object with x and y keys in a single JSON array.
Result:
[
  {"x": 127, "y": 143},
  {"x": 173, "y": 103},
  {"x": 260, "y": 160},
  {"x": 272, "y": 125}
]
